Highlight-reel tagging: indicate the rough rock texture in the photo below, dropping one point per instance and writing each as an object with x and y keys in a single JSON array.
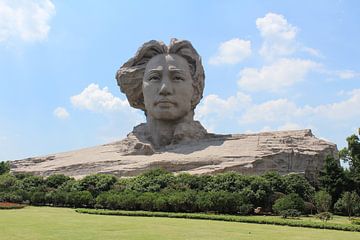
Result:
[{"x": 284, "y": 151}]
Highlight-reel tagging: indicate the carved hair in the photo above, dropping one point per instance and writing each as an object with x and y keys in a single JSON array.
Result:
[{"x": 130, "y": 75}]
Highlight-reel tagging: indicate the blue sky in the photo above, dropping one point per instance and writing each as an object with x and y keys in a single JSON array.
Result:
[{"x": 270, "y": 65}]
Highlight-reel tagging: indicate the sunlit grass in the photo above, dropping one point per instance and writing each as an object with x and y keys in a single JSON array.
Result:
[{"x": 37, "y": 223}]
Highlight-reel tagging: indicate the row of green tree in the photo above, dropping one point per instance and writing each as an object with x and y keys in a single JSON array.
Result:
[{"x": 336, "y": 190}]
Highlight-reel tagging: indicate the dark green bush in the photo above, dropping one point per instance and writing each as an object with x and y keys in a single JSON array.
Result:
[
  {"x": 13, "y": 197},
  {"x": 296, "y": 183},
  {"x": 290, "y": 213},
  {"x": 95, "y": 183},
  {"x": 291, "y": 201},
  {"x": 79, "y": 199},
  {"x": 245, "y": 209},
  {"x": 56, "y": 180},
  {"x": 38, "y": 198},
  {"x": 4, "y": 167}
]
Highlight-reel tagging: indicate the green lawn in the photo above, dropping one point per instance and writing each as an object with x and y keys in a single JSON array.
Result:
[{"x": 36, "y": 223}]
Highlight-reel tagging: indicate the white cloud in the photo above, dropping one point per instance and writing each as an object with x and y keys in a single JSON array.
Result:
[
  {"x": 312, "y": 51},
  {"x": 270, "y": 111},
  {"x": 347, "y": 74},
  {"x": 213, "y": 109},
  {"x": 279, "y": 36},
  {"x": 342, "y": 110},
  {"x": 285, "y": 111},
  {"x": 281, "y": 74},
  {"x": 61, "y": 113},
  {"x": 275, "y": 26},
  {"x": 95, "y": 99},
  {"x": 279, "y": 114},
  {"x": 27, "y": 20},
  {"x": 213, "y": 104},
  {"x": 232, "y": 52}
]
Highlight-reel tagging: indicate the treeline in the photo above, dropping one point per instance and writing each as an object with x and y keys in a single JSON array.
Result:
[
  {"x": 337, "y": 190},
  {"x": 158, "y": 190}
]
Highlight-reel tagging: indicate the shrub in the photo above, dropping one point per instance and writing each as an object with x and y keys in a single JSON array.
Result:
[
  {"x": 291, "y": 201},
  {"x": 290, "y": 213},
  {"x": 245, "y": 209},
  {"x": 324, "y": 216}
]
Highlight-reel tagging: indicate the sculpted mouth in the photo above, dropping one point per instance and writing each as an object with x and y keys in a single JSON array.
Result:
[{"x": 164, "y": 101}]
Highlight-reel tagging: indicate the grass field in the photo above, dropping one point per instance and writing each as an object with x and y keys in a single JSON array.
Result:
[{"x": 37, "y": 223}]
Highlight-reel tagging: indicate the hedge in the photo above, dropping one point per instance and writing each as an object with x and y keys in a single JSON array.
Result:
[{"x": 228, "y": 218}]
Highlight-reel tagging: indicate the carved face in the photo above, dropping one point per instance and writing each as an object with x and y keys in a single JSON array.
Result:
[{"x": 167, "y": 87}]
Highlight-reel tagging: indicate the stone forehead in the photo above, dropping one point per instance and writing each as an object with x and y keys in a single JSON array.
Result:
[{"x": 170, "y": 60}]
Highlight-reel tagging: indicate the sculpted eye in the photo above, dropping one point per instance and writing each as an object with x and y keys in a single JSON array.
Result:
[
  {"x": 179, "y": 78},
  {"x": 154, "y": 78}
]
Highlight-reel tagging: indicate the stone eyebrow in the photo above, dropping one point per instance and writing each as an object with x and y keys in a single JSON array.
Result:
[
  {"x": 177, "y": 70},
  {"x": 153, "y": 71}
]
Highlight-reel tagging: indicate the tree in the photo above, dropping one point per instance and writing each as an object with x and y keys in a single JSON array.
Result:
[
  {"x": 332, "y": 178},
  {"x": 291, "y": 201},
  {"x": 80, "y": 199},
  {"x": 4, "y": 167},
  {"x": 7, "y": 182},
  {"x": 351, "y": 154},
  {"x": 276, "y": 181},
  {"x": 322, "y": 201},
  {"x": 32, "y": 183},
  {"x": 56, "y": 180},
  {"x": 298, "y": 184},
  {"x": 95, "y": 183},
  {"x": 349, "y": 202},
  {"x": 38, "y": 198}
]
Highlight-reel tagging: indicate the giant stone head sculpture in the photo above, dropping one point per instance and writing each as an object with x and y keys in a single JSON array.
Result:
[{"x": 167, "y": 83}]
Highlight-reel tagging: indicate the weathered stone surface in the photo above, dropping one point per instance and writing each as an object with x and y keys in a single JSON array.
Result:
[
  {"x": 167, "y": 83},
  {"x": 284, "y": 151}
]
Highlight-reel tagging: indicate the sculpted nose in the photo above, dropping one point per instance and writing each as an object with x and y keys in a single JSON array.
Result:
[{"x": 166, "y": 88}]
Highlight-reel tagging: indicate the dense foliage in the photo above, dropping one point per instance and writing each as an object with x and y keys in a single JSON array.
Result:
[
  {"x": 232, "y": 193},
  {"x": 4, "y": 167},
  {"x": 157, "y": 190}
]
